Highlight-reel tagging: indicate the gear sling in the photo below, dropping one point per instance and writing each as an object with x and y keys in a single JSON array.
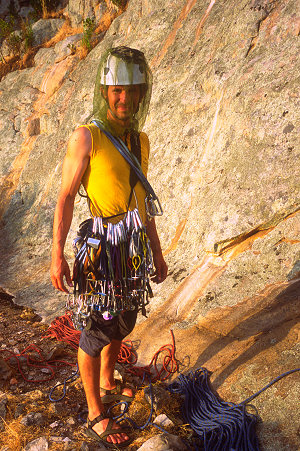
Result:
[{"x": 113, "y": 262}]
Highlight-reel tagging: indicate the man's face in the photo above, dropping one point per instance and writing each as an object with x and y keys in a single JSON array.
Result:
[{"x": 123, "y": 103}]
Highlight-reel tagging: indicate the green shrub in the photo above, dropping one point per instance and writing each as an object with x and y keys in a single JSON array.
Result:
[
  {"x": 17, "y": 41},
  {"x": 27, "y": 34},
  {"x": 119, "y": 3},
  {"x": 6, "y": 27},
  {"x": 14, "y": 42},
  {"x": 88, "y": 30}
]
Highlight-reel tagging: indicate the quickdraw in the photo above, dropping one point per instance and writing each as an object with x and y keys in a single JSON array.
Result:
[{"x": 111, "y": 271}]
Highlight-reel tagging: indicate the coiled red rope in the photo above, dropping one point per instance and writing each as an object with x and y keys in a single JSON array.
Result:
[
  {"x": 62, "y": 329},
  {"x": 163, "y": 370},
  {"x": 163, "y": 362},
  {"x": 127, "y": 354}
]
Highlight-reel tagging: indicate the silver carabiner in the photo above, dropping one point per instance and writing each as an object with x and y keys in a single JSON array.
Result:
[{"x": 152, "y": 209}]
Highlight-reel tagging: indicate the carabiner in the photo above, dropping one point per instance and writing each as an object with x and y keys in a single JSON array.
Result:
[{"x": 152, "y": 209}]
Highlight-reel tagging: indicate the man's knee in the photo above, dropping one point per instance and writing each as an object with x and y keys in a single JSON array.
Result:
[{"x": 84, "y": 356}]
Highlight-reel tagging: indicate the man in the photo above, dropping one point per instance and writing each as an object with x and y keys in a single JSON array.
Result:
[{"x": 121, "y": 100}]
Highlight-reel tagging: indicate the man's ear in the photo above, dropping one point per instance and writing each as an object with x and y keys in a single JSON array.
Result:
[{"x": 103, "y": 90}]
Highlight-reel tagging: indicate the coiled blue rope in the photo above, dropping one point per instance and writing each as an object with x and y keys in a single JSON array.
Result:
[{"x": 221, "y": 426}]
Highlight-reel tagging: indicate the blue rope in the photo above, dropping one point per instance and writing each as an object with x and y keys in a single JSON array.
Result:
[
  {"x": 70, "y": 379},
  {"x": 269, "y": 385},
  {"x": 121, "y": 417},
  {"x": 221, "y": 426}
]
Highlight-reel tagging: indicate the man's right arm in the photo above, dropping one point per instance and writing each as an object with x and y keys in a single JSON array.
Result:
[{"x": 74, "y": 166}]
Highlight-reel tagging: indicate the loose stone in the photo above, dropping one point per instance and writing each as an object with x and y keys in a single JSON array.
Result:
[
  {"x": 163, "y": 420},
  {"x": 163, "y": 442},
  {"x": 39, "y": 444},
  {"x": 33, "y": 418}
]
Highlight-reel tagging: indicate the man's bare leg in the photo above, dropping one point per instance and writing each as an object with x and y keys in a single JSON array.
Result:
[
  {"x": 109, "y": 357},
  {"x": 89, "y": 368}
]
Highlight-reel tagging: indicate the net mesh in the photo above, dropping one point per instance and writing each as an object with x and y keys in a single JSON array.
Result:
[{"x": 100, "y": 106}]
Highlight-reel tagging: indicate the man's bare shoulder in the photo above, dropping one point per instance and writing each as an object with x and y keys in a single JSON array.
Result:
[{"x": 80, "y": 142}]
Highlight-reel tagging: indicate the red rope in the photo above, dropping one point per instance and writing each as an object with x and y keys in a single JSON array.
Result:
[
  {"x": 62, "y": 329},
  {"x": 39, "y": 363},
  {"x": 169, "y": 364},
  {"x": 127, "y": 355}
]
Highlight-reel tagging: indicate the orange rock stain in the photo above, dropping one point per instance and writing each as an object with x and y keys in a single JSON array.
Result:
[
  {"x": 9, "y": 182},
  {"x": 202, "y": 22},
  {"x": 171, "y": 37},
  {"x": 179, "y": 230}
]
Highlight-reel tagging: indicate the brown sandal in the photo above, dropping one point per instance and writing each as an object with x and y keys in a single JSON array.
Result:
[
  {"x": 108, "y": 431},
  {"x": 115, "y": 394}
]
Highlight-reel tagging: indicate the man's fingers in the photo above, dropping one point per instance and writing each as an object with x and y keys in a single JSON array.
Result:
[
  {"x": 69, "y": 278},
  {"x": 164, "y": 273},
  {"x": 59, "y": 271},
  {"x": 160, "y": 274},
  {"x": 61, "y": 286},
  {"x": 156, "y": 277},
  {"x": 58, "y": 283}
]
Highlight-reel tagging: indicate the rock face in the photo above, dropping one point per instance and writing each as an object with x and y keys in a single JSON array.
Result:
[
  {"x": 223, "y": 126},
  {"x": 79, "y": 10},
  {"x": 45, "y": 29}
]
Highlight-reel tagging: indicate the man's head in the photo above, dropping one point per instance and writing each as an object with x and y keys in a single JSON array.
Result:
[
  {"x": 123, "y": 88},
  {"x": 122, "y": 102}
]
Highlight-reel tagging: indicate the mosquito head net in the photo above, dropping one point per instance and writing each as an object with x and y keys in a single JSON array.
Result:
[{"x": 122, "y": 66}]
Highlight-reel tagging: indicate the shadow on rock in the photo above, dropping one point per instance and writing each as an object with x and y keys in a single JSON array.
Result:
[{"x": 276, "y": 317}]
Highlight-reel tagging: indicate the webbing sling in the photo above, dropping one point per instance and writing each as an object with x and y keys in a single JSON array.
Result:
[
  {"x": 135, "y": 146},
  {"x": 134, "y": 163}
]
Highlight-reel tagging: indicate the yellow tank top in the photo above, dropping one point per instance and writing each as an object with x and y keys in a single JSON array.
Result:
[{"x": 106, "y": 179}]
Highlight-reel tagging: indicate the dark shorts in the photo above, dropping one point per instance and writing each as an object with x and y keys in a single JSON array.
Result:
[{"x": 102, "y": 332}]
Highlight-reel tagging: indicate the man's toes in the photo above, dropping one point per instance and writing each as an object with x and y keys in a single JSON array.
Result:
[
  {"x": 127, "y": 392},
  {"x": 123, "y": 438},
  {"x": 117, "y": 438},
  {"x": 111, "y": 438}
]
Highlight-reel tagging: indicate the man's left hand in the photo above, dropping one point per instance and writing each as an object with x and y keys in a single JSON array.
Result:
[{"x": 161, "y": 268}]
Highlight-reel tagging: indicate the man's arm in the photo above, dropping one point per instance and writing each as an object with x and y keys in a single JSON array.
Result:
[
  {"x": 161, "y": 269},
  {"x": 74, "y": 166}
]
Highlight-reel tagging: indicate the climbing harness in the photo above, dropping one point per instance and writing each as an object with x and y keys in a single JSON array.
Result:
[{"x": 111, "y": 269}]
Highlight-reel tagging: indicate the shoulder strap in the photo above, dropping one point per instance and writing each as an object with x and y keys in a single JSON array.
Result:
[
  {"x": 135, "y": 146},
  {"x": 131, "y": 159}
]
